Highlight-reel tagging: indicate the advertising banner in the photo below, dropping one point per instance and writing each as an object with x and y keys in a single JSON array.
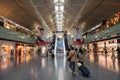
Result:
[
  {"x": 77, "y": 33},
  {"x": 42, "y": 34}
]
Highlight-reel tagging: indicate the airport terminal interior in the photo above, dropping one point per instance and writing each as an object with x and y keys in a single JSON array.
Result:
[{"x": 59, "y": 39}]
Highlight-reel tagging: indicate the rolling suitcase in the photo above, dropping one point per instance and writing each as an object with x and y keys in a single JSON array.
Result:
[{"x": 83, "y": 69}]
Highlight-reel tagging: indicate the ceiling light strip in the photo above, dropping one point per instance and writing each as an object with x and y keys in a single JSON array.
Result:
[{"x": 59, "y": 9}]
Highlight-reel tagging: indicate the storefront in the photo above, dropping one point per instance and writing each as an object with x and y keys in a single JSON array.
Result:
[
  {"x": 19, "y": 49},
  {"x": 7, "y": 48},
  {"x": 29, "y": 50},
  {"x": 108, "y": 46},
  {"x": 24, "y": 52},
  {"x": 90, "y": 47}
]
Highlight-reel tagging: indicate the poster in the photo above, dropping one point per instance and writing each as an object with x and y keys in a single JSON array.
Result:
[
  {"x": 77, "y": 33},
  {"x": 42, "y": 33}
]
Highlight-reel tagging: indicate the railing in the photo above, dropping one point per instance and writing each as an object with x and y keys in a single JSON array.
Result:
[
  {"x": 104, "y": 34},
  {"x": 14, "y": 36}
]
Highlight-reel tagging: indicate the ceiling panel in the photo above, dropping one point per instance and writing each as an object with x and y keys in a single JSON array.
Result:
[{"x": 29, "y": 12}]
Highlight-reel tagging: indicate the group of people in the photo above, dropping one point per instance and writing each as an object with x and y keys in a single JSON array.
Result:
[
  {"x": 118, "y": 53},
  {"x": 73, "y": 56}
]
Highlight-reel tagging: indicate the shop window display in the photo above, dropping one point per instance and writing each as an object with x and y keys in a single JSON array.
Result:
[
  {"x": 6, "y": 50},
  {"x": 109, "y": 45}
]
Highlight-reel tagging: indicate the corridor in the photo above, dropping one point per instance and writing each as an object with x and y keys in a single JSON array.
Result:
[{"x": 47, "y": 68}]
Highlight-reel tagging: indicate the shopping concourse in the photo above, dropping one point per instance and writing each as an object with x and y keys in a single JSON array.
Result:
[{"x": 59, "y": 39}]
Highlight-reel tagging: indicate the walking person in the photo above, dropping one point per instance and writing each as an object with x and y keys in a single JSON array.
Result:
[
  {"x": 80, "y": 50},
  {"x": 19, "y": 54},
  {"x": 73, "y": 59},
  {"x": 118, "y": 52},
  {"x": 113, "y": 54}
]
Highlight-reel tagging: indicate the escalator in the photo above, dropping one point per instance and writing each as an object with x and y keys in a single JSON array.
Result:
[
  {"x": 66, "y": 42},
  {"x": 59, "y": 48},
  {"x": 52, "y": 46}
]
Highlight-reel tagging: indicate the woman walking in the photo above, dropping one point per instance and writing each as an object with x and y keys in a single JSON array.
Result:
[{"x": 73, "y": 58}]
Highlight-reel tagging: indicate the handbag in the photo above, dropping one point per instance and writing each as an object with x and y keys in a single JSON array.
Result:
[{"x": 69, "y": 59}]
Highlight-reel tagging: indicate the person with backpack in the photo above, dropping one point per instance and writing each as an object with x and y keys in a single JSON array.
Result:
[{"x": 72, "y": 60}]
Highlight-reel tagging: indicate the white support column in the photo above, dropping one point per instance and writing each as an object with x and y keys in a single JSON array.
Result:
[
  {"x": 55, "y": 46},
  {"x": 64, "y": 46}
]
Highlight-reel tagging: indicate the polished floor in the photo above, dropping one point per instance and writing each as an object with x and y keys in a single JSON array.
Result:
[{"x": 102, "y": 67}]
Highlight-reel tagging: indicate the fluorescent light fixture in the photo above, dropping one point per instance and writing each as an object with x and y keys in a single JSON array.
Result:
[
  {"x": 59, "y": 12},
  {"x": 59, "y": 3},
  {"x": 57, "y": 16},
  {"x": 56, "y": 8},
  {"x": 59, "y": 20},
  {"x": 59, "y": 25},
  {"x": 55, "y": 1},
  {"x": 61, "y": 15},
  {"x": 62, "y": 8},
  {"x": 62, "y": 1}
]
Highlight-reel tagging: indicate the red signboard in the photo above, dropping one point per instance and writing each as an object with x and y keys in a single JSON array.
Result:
[
  {"x": 43, "y": 43},
  {"x": 78, "y": 42}
]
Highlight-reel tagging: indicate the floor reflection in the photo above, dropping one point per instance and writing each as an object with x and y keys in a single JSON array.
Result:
[
  {"x": 7, "y": 62},
  {"x": 60, "y": 61},
  {"x": 105, "y": 61},
  {"x": 60, "y": 74},
  {"x": 4, "y": 63},
  {"x": 43, "y": 63},
  {"x": 102, "y": 67}
]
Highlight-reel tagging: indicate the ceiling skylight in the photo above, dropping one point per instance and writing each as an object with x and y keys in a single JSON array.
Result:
[{"x": 59, "y": 9}]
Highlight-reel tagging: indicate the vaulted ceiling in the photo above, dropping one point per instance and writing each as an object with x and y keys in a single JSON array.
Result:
[{"x": 85, "y": 13}]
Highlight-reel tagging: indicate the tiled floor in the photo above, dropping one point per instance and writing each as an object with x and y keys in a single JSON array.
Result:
[{"x": 101, "y": 67}]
